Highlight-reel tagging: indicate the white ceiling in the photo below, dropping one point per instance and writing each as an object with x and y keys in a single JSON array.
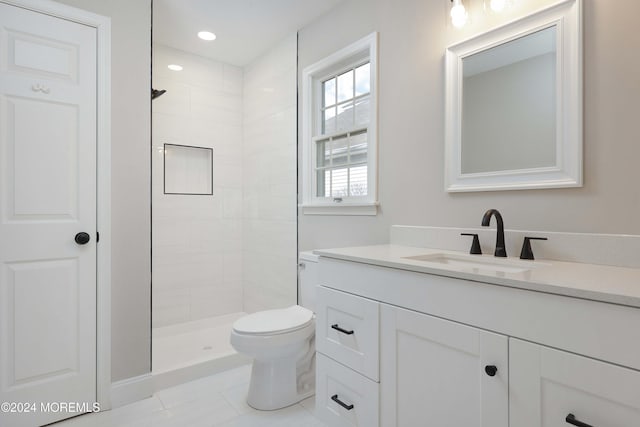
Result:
[{"x": 245, "y": 28}]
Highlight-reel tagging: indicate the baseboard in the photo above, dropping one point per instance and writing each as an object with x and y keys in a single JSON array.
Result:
[{"x": 131, "y": 390}]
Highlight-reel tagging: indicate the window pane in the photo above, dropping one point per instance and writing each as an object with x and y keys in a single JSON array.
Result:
[
  {"x": 362, "y": 111},
  {"x": 340, "y": 151},
  {"x": 358, "y": 147},
  {"x": 323, "y": 153},
  {"x": 327, "y": 183},
  {"x": 329, "y": 120},
  {"x": 345, "y": 86},
  {"x": 358, "y": 181},
  {"x": 345, "y": 116},
  {"x": 322, "y": 184},
  {"x": 329, "y": 92},
  {"x": 363, "y": 76},
  {"x": 339, "y": 179}
]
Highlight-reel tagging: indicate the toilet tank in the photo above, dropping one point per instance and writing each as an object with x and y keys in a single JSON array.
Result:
[{"x": 307, "y": 280}]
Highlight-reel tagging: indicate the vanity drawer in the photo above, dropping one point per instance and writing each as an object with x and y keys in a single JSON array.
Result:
[
  {"x": 347, "y": 330},
  {"x": 344, "y": 397}
]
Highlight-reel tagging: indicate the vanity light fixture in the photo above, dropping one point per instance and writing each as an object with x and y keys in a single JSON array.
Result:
[
  {"x": 207, "y": 35},
  {"x": 497, "y": 5},
  {"x": 174, "y": 67},
  {"x": 459, "y": 14}
]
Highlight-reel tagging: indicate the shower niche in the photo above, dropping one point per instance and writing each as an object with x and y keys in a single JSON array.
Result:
[{"x": 188, "y": 170}]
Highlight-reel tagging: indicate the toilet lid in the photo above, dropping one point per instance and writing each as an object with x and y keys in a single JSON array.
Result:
[{"x": 274, "y": 321}]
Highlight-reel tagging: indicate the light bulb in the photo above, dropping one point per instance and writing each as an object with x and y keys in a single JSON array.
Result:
[
  {"x": 498, "y": 5},
  {"x": 458, "y": 14},
  {"x": 207, "y": 35}
]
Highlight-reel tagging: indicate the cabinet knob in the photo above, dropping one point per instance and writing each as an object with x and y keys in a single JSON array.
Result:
[{"x": 491, "y": 370}]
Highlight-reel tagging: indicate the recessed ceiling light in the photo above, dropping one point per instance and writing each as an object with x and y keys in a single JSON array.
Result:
[
  {"x": 174, "y": 67},
  {"x": 206, "y": 35}
]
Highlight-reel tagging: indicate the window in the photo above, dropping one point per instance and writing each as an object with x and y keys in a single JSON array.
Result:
[{"x": 339, "y": 132}]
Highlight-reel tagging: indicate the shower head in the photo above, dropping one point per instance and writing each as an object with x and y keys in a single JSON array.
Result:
[{"x": 155, "y": 93}]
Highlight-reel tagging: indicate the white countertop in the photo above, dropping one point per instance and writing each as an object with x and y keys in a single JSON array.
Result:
[{"x": 617, "y": 285}]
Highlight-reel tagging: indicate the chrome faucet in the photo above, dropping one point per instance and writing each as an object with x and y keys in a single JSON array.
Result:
[{"x": 501, "y": 251}]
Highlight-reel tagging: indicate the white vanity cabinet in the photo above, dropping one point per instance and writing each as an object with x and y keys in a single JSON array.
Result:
[{"x": 446, "y": 352}]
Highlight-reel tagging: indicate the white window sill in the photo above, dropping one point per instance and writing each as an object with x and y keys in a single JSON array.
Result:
[{"x": 346, "y": 209}]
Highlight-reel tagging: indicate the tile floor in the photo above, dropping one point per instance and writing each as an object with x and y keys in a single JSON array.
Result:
[{"x": 218, "y": 400}]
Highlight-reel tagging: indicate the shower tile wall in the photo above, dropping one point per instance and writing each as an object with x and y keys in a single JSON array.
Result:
[
  {"x": 269, "y": 176},
  {"x": 197, "y": 240}
]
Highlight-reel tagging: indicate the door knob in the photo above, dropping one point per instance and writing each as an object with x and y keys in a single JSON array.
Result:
[{"x": 82, "y": 238}]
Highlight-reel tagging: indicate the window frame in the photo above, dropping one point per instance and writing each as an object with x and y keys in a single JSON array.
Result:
[{"x": 313, "y": 76}]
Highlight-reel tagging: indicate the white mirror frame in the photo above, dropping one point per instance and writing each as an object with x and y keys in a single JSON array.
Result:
[{"x": 566, "y": 17}]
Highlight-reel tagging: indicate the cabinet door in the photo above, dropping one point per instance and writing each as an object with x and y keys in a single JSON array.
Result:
[
  {"x": 548, "y": 385},
  {"x": 433, "y": 372}
]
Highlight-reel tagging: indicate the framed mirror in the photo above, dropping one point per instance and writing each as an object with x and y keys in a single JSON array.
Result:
[{"x": 514, "y": 104}]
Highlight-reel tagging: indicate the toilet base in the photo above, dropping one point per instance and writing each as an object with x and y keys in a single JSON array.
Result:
[
  {"x": 268, "y": 391},
  {"x": 276, "y": 384}
]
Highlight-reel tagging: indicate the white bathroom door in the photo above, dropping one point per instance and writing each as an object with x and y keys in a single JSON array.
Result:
[{"x": 47, "y": 197}]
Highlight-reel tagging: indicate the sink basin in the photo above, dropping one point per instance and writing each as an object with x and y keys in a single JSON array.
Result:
[{"x": 476, "y": 263}]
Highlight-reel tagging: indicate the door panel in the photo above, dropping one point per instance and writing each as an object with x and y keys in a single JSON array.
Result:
[
  {"x": 47, "y": 196},
  {"x": 433, "y": 372},
  {"x": 46, "y": 57},
  {"x": 49, "y": 289},
  {"x": 44, "y": 142},
  {"x": 547, "y": 385}
]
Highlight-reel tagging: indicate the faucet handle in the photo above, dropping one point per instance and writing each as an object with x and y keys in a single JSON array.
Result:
[
  {"x": 526, "y": 252},
  {"x": 475, "y": 246}
]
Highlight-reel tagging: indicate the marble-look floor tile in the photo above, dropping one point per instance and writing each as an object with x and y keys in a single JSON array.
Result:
[{"x": 215, "y": 401}]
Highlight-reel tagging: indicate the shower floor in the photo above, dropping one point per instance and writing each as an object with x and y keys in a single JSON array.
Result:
[{"x": 190, "y": 350}]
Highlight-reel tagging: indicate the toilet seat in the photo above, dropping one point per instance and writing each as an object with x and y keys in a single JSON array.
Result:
[{"x": 274, "y": 322}]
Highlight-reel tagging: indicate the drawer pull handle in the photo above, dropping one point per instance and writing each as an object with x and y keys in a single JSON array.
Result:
[
  {"x": 341, "y": 403},
  {"x": 339, "y": 329},
  {"x": 571, "y": 419}
]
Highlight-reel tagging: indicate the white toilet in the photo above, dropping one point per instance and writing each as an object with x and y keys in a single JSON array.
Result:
[{"x": 282, "y": 344}]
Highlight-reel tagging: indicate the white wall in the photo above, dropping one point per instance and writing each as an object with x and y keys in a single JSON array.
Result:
[
  {"x": 197, "y": 239},
  {"x": 413, "y": 38},
  {"x": 269, "y": 171},
  {"x": 130, "y": 182}
]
